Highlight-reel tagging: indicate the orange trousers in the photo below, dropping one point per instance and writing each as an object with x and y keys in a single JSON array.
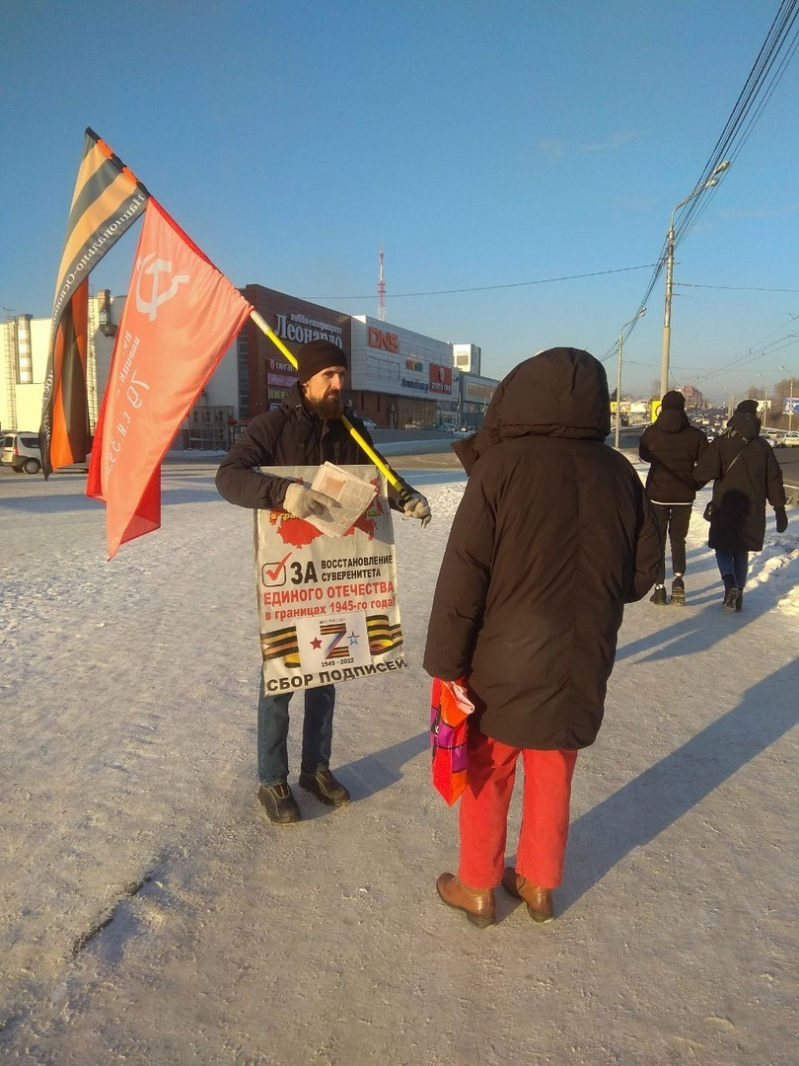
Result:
[{"x": 484, "y": 807}]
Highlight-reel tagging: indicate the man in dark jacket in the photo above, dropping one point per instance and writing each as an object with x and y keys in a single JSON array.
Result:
[
  {"x": 553, "y": 536},
  {"x": 745, "y": 475},
  {"x": 305, "y": 431},
  {"x": 672, "y": 446}
]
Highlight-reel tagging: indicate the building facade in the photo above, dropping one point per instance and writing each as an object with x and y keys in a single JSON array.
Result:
[{"x": 398, "y": 378}]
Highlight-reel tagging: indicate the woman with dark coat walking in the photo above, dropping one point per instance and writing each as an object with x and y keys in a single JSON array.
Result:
[
  {"x": 745, "y": 475},
  {"x": 553, "y": 536}
]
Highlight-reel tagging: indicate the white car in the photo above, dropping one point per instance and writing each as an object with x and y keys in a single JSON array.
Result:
[
  {"x": 369, "y": 423},
  {"x": 21, "y": 451}
]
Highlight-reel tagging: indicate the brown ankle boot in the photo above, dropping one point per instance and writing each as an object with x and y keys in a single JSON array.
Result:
[
  {"x": 476, "y": 903},
  {"x": 538, "y": 900}
]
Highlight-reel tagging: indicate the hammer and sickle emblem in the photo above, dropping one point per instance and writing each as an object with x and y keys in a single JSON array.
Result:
[{"x": 155, "y": 269}]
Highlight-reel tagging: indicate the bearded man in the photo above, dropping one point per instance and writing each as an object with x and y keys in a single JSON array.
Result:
[{"x": 306, "y": 430}]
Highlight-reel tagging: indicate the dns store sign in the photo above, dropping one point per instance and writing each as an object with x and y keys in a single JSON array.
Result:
[{"x": 388, "y": 342}]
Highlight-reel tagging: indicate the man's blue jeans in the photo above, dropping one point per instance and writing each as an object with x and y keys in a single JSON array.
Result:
[
  {"x": 273, "y": 731},
  {"x": 735, "y": 563}
]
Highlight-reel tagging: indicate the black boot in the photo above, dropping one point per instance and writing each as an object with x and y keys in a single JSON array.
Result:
[
  {"x": 324, "y": 786},
  {"x": 279, "y": 804},
  {"x": 678, "y": 591},
  {"x": 659, "y": 597},
  {"x": 732, "y": 593}
]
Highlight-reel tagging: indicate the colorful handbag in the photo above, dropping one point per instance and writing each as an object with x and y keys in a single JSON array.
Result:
[{"x": 450, "y": 708}]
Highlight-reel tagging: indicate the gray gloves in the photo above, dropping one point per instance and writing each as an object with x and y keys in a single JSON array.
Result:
[
  {"x": 303, "y": 502},
  {"x": 782, "y": 519},
  {"x": 414, "y": 505}
]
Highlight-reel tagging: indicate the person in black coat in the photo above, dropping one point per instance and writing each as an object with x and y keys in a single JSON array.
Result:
[
  {"x": 553, "y": 536},
  {"x": 306, "y": 430},
  {"x": 671, "y": 445},
  {"x": 745, "y": 475}
]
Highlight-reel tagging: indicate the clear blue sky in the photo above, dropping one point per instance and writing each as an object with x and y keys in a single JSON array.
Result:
[{"x": 484, "y": 142}]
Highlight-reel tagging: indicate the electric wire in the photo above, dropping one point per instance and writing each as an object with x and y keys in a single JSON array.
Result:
[
  {"x": 772, "y": 60},
  {"x": 486, "y": 288}
]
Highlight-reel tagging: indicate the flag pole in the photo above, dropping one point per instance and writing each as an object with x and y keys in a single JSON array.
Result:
[{"x": 378, "y": 460}]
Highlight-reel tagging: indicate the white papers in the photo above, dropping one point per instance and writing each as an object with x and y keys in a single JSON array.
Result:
[{"x": 352, "y": 496}]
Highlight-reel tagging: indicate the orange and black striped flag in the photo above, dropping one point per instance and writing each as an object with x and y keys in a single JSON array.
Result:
[{"x": 107, "y": 200}]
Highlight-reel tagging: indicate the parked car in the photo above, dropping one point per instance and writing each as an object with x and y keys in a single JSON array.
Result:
[
  {"x": 369, "y": 423},
  {"x": 790, "y": 440},
  {"x": 21, "y": 451}
]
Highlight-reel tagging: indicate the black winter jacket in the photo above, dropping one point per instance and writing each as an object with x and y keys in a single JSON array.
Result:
[
  {"x": 746, "y": 474},
  {"x": 672, "y": 446},
  {"x": 553, "y": 535},
  {"x": 287, "y": 436}
]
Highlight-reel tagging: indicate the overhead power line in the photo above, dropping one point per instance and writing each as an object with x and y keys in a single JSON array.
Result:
[
  {"x": 734, "y": 288},
  {"x": 772, "y": 60},
  {"x": 486, "y": 288}
]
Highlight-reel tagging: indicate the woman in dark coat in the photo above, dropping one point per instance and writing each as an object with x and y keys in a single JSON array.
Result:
[
  {"x": 745, "y": 475},
  {"x": 553, "y": 535}
]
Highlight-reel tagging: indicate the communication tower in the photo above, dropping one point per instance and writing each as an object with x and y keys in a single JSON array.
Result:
[{"x": 381, "y": 290}]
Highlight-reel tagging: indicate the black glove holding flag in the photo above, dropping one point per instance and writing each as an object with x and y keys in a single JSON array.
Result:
[{"x": 782, "y": 519}]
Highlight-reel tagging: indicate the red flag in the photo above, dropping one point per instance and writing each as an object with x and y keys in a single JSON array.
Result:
[
  {"x": 180, "y": 316},
  {"x": 107, "y": 200}
]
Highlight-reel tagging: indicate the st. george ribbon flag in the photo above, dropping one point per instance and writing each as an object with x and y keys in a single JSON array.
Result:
[
  {"x": 180, "y": 316},
  {"x": 107, "y": 200}
]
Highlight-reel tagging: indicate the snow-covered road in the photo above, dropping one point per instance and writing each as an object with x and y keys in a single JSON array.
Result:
[{"x": 150, "y": 914}]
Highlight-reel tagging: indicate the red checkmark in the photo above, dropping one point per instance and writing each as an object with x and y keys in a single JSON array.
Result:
[{"x": 274, "y": 574}]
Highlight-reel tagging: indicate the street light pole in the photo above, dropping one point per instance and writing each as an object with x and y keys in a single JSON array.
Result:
[
  {"x": 790, "y": 398},
  {"x": 640, "y": 314},
  {"x": 765, "y": 398},
  {"x": 666, "y": 347}
]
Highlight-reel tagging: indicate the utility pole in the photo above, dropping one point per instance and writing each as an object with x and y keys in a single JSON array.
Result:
[
  {"x": 670, "y": 242},
  {"x": 640, "y": 314}
]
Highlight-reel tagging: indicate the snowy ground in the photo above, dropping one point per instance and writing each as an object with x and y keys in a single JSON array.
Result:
[{"x": 149, "y": 913}]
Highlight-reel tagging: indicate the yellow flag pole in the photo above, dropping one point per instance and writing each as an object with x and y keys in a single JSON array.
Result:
[{"x": 378, "y": 460}]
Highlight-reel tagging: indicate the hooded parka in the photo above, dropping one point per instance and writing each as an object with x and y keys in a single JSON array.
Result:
[
  {"x": 553, "y": 535},
  {"x": 746, "y": 475},
  {"x": 671, "y": 445}
]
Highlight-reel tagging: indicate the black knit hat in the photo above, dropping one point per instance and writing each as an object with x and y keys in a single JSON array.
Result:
[
  {"x": 747, "y": 407},
  {"x": 316, "y": 356},
  {"x": 673, "y": 401}
]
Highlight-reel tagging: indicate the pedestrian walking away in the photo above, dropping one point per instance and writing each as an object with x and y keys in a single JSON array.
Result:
[
  {"x": 671, "y": 445},
  {"x": 745, "y": 476},
  {"x": 553, "y": 536},
  {"x": 306, "y": 430}
]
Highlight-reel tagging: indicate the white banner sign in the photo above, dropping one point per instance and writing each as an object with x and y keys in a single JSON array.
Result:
[{"x": 328, "y": 610}]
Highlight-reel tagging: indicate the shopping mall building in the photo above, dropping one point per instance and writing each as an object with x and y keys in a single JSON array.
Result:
[{"x": 398, "y": 378}]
